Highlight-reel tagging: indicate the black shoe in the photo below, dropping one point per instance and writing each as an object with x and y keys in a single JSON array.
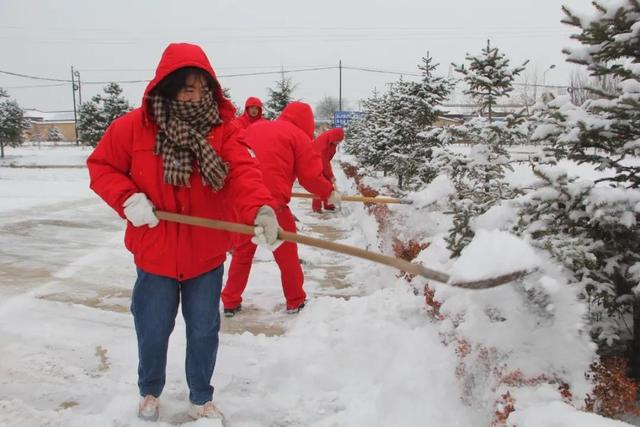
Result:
[
  {"x": 295, "y": 310},
  {"x": 230, "y": 312}
]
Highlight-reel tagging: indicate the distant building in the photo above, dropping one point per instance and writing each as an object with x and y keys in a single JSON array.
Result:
[
  {"x": 42, "y": 121},
  {"x": 447, "y": 120}
]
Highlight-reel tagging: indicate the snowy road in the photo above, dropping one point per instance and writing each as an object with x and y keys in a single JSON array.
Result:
[{"x": 362, "y": 353}]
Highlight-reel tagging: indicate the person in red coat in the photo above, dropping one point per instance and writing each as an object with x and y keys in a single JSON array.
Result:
[
  {"x": 326, "y": 144},
  {"x": 252, "y": 113},
  {"x": 285, "y": 152},
  {"x": 179, "y": 152}
]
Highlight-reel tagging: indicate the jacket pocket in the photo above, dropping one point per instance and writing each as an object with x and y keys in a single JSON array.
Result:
[{"x": 133, "y": 236}]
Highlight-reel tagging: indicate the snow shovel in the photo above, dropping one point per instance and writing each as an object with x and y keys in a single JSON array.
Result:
[
  {"x": 400, "y": 264},
  {"x": 362, "y": 199}
]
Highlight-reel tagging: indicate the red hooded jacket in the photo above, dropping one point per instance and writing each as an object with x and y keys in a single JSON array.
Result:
[
  {"x": 326, "y": 150},
  {"x": 285, "y": 152},
  {"x": 124, "y": 163},
  {"x": 245, "y": 120}
]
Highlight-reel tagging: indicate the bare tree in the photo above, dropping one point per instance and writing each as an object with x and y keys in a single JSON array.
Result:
[
  {"x": 584, "y": 87},
  {"x": 326, "y": 107}
]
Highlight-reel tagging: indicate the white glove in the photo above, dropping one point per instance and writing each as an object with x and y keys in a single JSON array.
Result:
[
  {"x": 334, "y": 199},
  {"x": 139, "y": 211},
  {"x": 266, "y": 230}
]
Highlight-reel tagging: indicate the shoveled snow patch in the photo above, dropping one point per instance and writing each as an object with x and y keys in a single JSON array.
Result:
[
  {"x": 493, "y": 253},
  {"x": 558, "y": 414}
]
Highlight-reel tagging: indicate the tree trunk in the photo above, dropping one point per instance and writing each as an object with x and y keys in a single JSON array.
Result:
[
  {"x": 400, "y": 181},
  {"x": 1, "y": 150},
  {"x": 634, "y": 363}
]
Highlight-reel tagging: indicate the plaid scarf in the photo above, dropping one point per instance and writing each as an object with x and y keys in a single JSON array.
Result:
[{"x": 183, "y": 128}]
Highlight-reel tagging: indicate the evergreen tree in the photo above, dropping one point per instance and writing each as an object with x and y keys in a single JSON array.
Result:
[
  {"x": 431, "y": 92},
  {"x": 603, "y": 132},
  {"x": 113, "y": 104},
  {"x": 54, "y": 134},
  {"x": 402, "y": 151},
  {"x": 96, "y": 115},
  {"x": 480, "y": 184},
  {"x": 12, "y": 122},
  {"x": 227, "y": 94},
  {"x": 591, "y": 231},
  {"x": 91, "y": 122},
  {"x": 610, "y": 130},
  {"x": 479, "y": 178},
  {"x": 388, "y": 137},
  {"x": 488, "y": 77},
  {"x": 366, "y": 136},
  {"x": 279, "y": 97}
]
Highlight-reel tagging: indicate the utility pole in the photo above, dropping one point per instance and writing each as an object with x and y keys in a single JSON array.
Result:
[
  {"x": 340, "y": 86},
  {"x": 77, "y": 74},
  {"x": 74, "y": 87}
]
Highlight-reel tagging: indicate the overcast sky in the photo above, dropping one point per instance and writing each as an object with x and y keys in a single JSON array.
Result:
[{"x": 121, "y": 40}]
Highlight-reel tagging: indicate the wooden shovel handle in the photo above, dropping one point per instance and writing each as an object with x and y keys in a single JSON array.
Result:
[
  {"x": 287, "y": 236},
  {"x": 357, "y": 198}
]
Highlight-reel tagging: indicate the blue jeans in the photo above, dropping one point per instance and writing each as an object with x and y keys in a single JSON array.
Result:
[{"x": 154, "y": 305}]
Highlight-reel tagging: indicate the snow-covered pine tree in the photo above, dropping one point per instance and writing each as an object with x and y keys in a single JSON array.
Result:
[
  {"x": 480, "y": 184},
  {"x": 91, "y": 124},
  {"x": 388, "y": 137},
  {"x": 54, "y": 134},
  {"x": 113, "y": 104},
  {"x": 488, "y": 77},
  {"x": 430, "y": 92},
  {"x": 279, "y": 97},
  {"x": 388, "y": 132},
  {"x": 589, "y": 229},
  {"x": 610, "y": 131},
  {"x": 98, "y": 113},
  {"x": 12, "y": 122},
  {"x": 402, "y": 154},
  {"x": 366, "y": 136},
  {"x": 605, "y": 132}
]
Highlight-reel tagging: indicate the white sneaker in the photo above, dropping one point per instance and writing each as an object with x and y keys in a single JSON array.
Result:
[
  {"x": 208, "y": 410},
  {"x": 149, "y": 408}
]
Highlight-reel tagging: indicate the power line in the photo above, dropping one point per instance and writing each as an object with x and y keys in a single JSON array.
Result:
[
  {"x": 374, "y": 70},
  {"x": 300, "y": 70},
  {"x": 278, "y": 72},
  {"x": 34, "y": 86},
  {"x": 259, "y": 73},
  {"x": 115, "y": 81},
  {"x": 34, "y": 77}
]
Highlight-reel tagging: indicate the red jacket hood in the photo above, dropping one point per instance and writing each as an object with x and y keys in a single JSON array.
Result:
[
  {"x": 180, "y": 55},
  {"x": 301, "y": 115},
  {"x": 334, "y": 135},
  {"x": 252, "y": 102}
]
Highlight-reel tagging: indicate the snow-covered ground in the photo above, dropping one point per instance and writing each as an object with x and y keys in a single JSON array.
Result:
[{"x": 363, "y": 353}]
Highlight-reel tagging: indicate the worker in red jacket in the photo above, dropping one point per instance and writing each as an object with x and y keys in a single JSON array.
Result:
[
  {"x": 326, "y": 144},
  {"x": 252, "y": 113},
  {"x": 285, "y": 152},
  {"x": 179, "y": 152}
]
